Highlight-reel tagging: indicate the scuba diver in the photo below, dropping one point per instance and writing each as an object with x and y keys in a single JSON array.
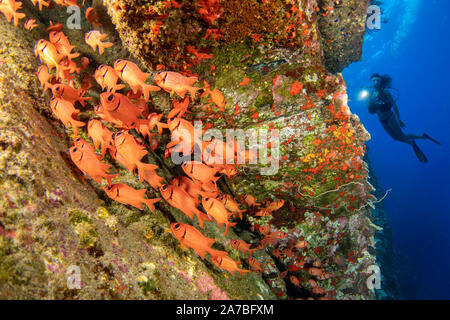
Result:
[{"x": 381, "y": 102}]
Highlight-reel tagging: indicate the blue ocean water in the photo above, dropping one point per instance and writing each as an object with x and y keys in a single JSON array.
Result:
[{"x": 413, "y": 48}]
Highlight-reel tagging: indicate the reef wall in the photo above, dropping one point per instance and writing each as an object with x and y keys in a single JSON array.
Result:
[{"x": 274, "y": 63}]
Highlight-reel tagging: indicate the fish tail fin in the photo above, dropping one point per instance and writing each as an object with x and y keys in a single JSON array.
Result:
[
  {"x": 109, "y": 178},
  {"x": 117, "y": 87},
  {"x": 146, "y": 90},
  {"x": 161, "y": 126},
  {"x": 103, "y": 45},
  {"x": 241, "y": 271},
  {"x": 150, "y": 203},
  {"x": 228, "y": 225},
  {"x": 82, "y": 100},
  {"x": 214, "y": 179},
  {"x": 193, "y": 91},
  {"x": 73, "y": 56},
  {"x": 17, "y": 17},
  {"x": 143, "y": 168}
]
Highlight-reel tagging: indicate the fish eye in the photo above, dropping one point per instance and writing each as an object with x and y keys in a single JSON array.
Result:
[
  {"x": 75, "y": 149},
  {"x": 176, "y": 226},
  {"x": 171, "y": 119},
  {"x": 110, "y": 97},
  {"x": 184, "y": 164},
  {"x": 164, "y": 187},
  {"x": 118, "y": 134},
  {"x": 206, "y": 199}
]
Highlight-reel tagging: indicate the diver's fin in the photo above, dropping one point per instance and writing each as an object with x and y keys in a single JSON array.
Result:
[
  {"x": 419, "y": 154},
  {"x": 430, "y": 138}
]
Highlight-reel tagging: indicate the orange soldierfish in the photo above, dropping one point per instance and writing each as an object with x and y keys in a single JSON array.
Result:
[
  {"x": 154, "y": 119},
  {"x": 92, "y": 17},
  {"x": 107, "y": 78},
  {"x": 176, "y": 82},
  {"x": 41, "y": 3},
  {"x": 30, "y": 24},
  {"x": 210, "y": 187},
  {"x": 119, "y": 109},
  {"x": 132, "y": 151},
  {"x": 87, "y": 161},
  {"x": 130, "y": 73},
  {"x": 264, "y": 229},
  {"x": 242, "y": 246},
  {"x": 215, "y": 96},
  {"x": 228, "y": 264},
  {"x": 84, "y": 62},
  {"x": 143, "y": 127},
  {"x": 254, "y": 264},
  {"x": 68, "y": 93},
  {"x": 251, "y": 201},
  {"x": 217, "y": 210},
  {"x": 48, "y": 54},
  {"x": 294, "y": 281},
  {"x": 55, "y": 27},
  {"x": 95, "y": 38},
  {"x": 180, "y": 199},
  {"x": 263, "y": 213},
  {"x": 9, "y": 9},
  {"x": 83, "y": 144},
  {"x": 44, "y": 76},
  {"x": 190, "y": 237},
  {"x": 229, "y": 203},
  {"x": 66, "y": 3},
  {"x": 127, "y": 195},
  {"x": 66, "y": 112},
  {"x": 100, "y": 135},
  {"x": 199, "y": 171},
  {"x": 179, "y": 108},
  {"x": 152, "y": 178},
  {"x": 315, "y": 271},
  {"x": 62, "y": 44},
  {"x": 275, "y": 205},
  {"x": 193, "y": 189},
  {"x": 183, "y": 136}
]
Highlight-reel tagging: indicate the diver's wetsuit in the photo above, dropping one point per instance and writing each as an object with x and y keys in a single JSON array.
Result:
[{"x": 380, "y": 103}]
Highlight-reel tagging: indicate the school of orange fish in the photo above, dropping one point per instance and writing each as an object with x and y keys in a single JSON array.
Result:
[
  {"x": 111, "y": 133},
  {"x": 126, "y": 130}
]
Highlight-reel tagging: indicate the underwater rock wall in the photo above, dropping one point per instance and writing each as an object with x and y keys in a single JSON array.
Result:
[
  {"x": 385, "y": 255},
  {"x": 342, "y": 32},
  {"x": 268, "y": 60}
]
